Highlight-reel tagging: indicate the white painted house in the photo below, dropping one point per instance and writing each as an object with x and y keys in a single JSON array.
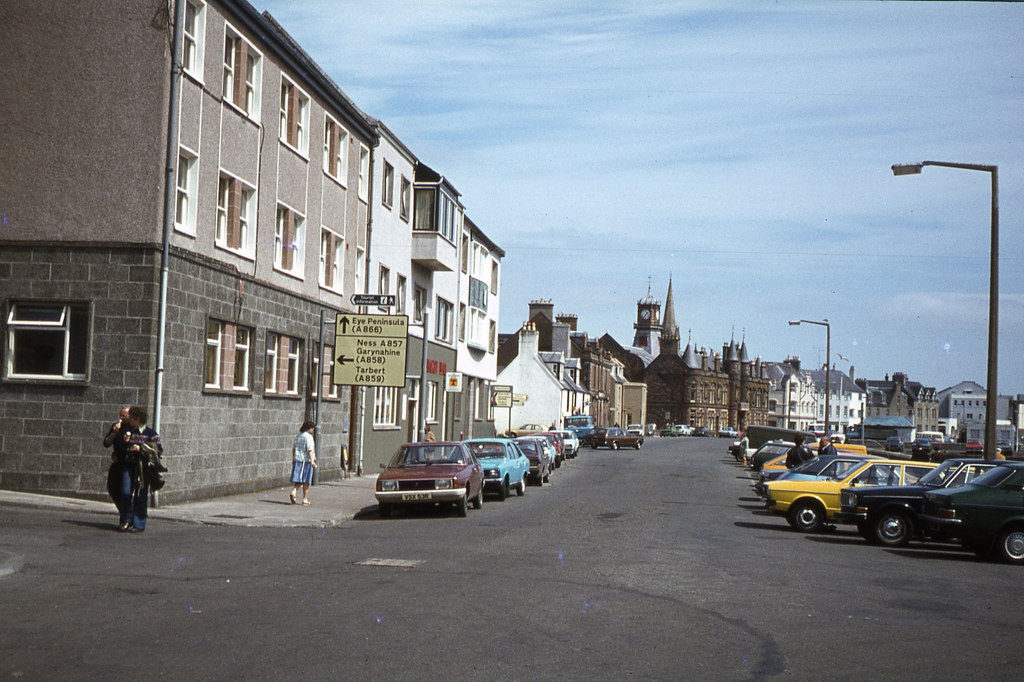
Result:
[{"x": 528, "y": 374}]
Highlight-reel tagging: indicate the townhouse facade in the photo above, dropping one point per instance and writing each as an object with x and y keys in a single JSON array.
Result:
[
  {"x": 899, "y": 397},
  {"x": 188, "y": 248}
]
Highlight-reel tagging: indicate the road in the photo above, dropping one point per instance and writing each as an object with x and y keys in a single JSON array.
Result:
[{"x": 653, "y": 565}]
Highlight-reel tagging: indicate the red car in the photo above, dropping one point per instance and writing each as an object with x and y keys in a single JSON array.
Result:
[
  {"x": 557, "y": 443},
  {"x": 975, "y": 445},
  {"x": 431, "y": 473}
]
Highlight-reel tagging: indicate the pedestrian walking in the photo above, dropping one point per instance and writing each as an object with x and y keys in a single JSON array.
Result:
[
  {"x": 114, "y": 471},
  {"x": 798, "y": 453},
  {"x": 303, "y": 462},
  {"x": 132, "y": 445}
]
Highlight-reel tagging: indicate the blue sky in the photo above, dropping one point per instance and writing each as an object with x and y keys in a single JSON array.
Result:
[{"x": 742, "y": 148}]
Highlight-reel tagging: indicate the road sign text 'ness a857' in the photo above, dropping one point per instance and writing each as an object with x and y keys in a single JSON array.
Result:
[{"x": 369, "y": 350}]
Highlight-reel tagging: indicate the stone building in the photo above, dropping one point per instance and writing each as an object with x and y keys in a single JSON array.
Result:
[{"x": 898, "y": 397}]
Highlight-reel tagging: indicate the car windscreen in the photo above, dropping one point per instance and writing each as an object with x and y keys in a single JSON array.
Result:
[
  {"x": 426, "y": 454},
  {"x": 938, "y": 475},
  {"x": 578, "y": 421},
  {"x": 530, "y": 447},
  {"x": 487, "y": 450}
]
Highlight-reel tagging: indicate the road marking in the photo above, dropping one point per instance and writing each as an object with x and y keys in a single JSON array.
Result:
[{"x": 392, "y": 563}]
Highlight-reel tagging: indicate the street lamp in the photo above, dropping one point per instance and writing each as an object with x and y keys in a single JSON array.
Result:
[
  {"x": 992, "y": 392},
  {"x": 828, "y": 361}
]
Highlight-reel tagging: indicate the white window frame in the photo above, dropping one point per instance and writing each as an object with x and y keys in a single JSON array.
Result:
[
  {"x": 270, "y": 363},
  {"x": 302, "y": 136},
  {"x": 360, "y": 270},
  {"x": 242, "y": 362},
  {"x": 401, "y": 291},
  {"x": 293, "y": 358},
  {"x": 404, "y": 198},
  {"x": 431, "y": 403},
  {"x": 444, "y": 311},
  {"x": 214, "y": 347},
  {"x": 387, "y": 185},
  {"x": 63, "y": 321},
  {"x": 186, "y": 187},
  {"x": 250, "y": 105},
  {"x": 298, "y": 243},
  {"x": 364, "y": 173},
  {"x": 193, "y": 39},
  {"x": 330, "y": 239},
  {"x": 385, "y": 406},
  {"x": 340, "y": 159},
  {"x": 246, "y": 217}
]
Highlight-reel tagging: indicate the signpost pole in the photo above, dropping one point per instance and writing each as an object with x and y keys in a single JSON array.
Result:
[{"x": 422, "y": 417}]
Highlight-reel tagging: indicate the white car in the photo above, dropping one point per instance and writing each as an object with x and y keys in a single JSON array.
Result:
[{"x": 571, "y": 442}]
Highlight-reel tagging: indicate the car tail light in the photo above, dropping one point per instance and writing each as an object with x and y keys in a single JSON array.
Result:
[{"x": 946, "y": 513}]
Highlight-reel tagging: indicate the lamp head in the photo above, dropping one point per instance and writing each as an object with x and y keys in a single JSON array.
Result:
[
  {"x": 906, "y": 168},
  {"x": 794, "y": 323}
]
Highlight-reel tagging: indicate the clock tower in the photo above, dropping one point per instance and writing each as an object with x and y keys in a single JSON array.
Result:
[{"x": 648, "y": 324}]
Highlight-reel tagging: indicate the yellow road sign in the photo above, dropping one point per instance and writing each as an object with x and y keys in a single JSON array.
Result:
[{"x": 369, "y": 350}]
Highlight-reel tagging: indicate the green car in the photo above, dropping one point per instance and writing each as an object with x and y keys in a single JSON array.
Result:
[{"x": 987, "y": 514}]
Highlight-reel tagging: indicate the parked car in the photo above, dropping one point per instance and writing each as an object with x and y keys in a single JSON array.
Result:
[
  {"x": 893, "y": 444},
  {"x": 767, "y": 452},
  {"x": 505, "y": 465},
  {"x": 527, "y": 429},
  {"x": 538, "y": 451},
  {"x": 431, "y": 473},
  {"x": 818, "y": 467},
  {"x": 570, "y": 441},
  {"x": 702, "y": 432},
  {"x": 975, "y": 445},
  {"x": 728, "y": 432},
  {"x": 809, "y": 505},
  {"x": 889, "y": 515},
  {"x": 650, "y": 429},
  {"x": 987, "y": 513},
  {"x": 673, "y": 430},
  {"x": 921, "y": 450},
  {"x": 613, "y": 437},
  {"x": 555, "y": 439},
  {"x": 580, "y": 424},
  {"x": 636, "y": 430}
]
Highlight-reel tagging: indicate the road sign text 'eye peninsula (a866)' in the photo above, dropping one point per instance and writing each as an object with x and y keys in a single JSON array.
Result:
[{"x": 369, "y": 350}]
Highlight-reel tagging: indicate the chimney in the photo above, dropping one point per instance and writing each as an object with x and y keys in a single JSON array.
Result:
[
  {"x": 569, "y": 319},
  {"x": 851, "y": 372},
  {"x": 528, "y": 341},
  {"x": 794, "y": 362},
  {"x": 543, "y": 306}
]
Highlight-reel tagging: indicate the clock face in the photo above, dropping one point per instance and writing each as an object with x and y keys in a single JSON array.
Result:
[{"x": 645, "y": 314}]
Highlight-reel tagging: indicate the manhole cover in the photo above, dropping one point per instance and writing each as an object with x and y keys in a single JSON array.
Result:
[{"x": 392, "y": 563}]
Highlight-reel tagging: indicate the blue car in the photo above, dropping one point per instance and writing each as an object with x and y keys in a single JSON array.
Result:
[{"x": 505, "y": 465}]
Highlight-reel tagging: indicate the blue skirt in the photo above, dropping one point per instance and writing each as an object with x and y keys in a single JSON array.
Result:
[{"x": 302, "y": 472}]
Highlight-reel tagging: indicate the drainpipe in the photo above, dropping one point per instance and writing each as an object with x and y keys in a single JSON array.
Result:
[
  {"x": 169, "y": 191},
  {"x": 360, "y": 394}
]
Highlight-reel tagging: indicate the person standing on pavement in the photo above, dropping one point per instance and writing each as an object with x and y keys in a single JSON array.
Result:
[
  {"x": 132, "y": 488},
  {"x": 303, "y": 461},
  {"x": 798, "y": 453},
  {"x": 114, "y": 472}
]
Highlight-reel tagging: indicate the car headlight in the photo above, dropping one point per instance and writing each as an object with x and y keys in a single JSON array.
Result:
[
  {"x": 847, "y": 499},
  {"x": 443, "y": 484},
  {"x": 389, "y": 485},
  {"x": 491, "y": 473}
]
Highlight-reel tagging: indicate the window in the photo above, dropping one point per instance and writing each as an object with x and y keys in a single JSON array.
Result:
[
  {"x": 185, "y": 201},
  {"x": 281, "y": 369},
  {"x": 193, "y": 38},
  {"x": 384, "y": 282},
  {"x": 331, "y": 263},
  {"x": 228, "y": 361},
  {"x": 431, "y": 403},
  {"x": 494, "y": 277},
  {"x": 401, "y": 290},
  {"x": 48, "y": 341},
  {"x": 465, "y": 253},
  {"x": 443, "y": 325},
  {"x": 236, "y": 219},
  {"x": 242, "y": 70},
  {"x": 289, "y": 241},
  {"x": 419, "y": 304},
  {"x": 385, "y": 406},
  {"x": 335, "y": 150},
  {"x": 364, "y": 173},
  {"x": 330, "y": 388},
  {"x": 425, "y": 218},
  {"x": 492, "y": 342},
  {"x": 404, "y": 198},
  {"x": 387, "y": 189},
  {"x": 462, "y": 322},
  {"x": 294, "y": 117},
  {"x": 478, "y": 329},
  {"x": 360, "y": 270}
]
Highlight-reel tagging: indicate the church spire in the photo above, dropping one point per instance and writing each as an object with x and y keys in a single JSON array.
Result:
[{"x": 670, "y": 330}]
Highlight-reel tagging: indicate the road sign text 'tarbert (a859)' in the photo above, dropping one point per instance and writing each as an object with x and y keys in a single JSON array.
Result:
[{"x": 369, "y": 350}]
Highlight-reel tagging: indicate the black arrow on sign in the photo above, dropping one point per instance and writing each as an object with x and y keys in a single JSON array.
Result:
[
  {"x": 342, "y": 360},
  {"x": 344, "y": 325}
]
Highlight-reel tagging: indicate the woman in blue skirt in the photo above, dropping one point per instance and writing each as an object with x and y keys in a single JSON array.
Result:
[{"x": 303, "y": 461}]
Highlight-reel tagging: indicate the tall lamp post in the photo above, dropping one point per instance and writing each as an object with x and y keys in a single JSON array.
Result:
[
  {"x": 828, "y": 361},
  {"x": 991, "y": 391}
]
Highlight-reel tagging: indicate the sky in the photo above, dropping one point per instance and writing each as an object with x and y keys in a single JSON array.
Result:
[{"x": 742, "y": 149}]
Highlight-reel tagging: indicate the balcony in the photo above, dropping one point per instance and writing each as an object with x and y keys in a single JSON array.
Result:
[{"x": 431, "y": 250}]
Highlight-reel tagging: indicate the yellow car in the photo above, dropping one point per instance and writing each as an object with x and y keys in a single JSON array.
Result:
[
  {"x": 808, "y": 505},
  {"x": 779, "y": 463}
]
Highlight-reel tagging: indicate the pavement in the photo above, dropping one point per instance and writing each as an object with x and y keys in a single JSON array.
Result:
[{"x": 331, "y": 504}]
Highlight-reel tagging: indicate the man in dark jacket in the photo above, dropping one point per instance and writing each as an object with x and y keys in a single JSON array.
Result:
[
  {"x": 799, "y": 453},
  {"x": 132, "y": 487}
]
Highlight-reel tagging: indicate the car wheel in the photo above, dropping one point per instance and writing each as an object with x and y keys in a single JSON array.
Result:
[
  {"x": 1011, "y": 545},
  {"x": 615, "y": 445},
  {"x": 503, "y": 489},
  {"x": 806, "y": 516},
  {"x": 636, "y": 445},
  {"x": 384, "y": 510},
  {"x": 522, "y": 486},
  {"x": 478, "y": 501},
  {"x": 893, "y": 529},
  {"x": 461, "y": 507}
]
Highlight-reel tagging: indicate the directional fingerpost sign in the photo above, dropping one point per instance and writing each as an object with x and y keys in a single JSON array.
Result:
[{"x": 369, "y": 350}]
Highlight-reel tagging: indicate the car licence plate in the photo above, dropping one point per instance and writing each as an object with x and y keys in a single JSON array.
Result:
[{"x": 414, "y": 497}]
